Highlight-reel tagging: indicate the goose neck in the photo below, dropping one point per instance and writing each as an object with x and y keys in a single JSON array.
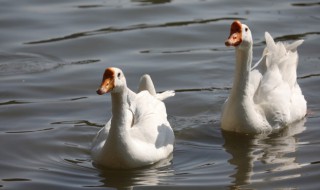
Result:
[
  {"x": 120, "y": 105},
  {"x": 242, "y": 72}
]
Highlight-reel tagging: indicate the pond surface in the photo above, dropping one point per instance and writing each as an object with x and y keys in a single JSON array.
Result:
[{"x": 53, "y": 54}]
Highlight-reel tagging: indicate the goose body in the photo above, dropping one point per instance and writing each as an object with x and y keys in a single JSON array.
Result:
[
  {"x": 265, "y": 97},
  {"x": 138, "y": 134}
]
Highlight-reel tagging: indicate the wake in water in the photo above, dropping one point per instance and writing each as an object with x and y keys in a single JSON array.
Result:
[{"x": 24, "y": 63}]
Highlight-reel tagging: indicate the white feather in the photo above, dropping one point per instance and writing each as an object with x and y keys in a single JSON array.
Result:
[
  {"x": 138, "y": 134},
  {"x": 272, "y": 97}
]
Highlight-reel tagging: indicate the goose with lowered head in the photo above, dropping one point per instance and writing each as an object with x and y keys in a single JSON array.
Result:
[
  {"x": 266, "y": 97},
  {"x": 138, "y": 133}
]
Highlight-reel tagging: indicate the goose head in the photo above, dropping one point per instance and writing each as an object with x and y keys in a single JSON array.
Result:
[
  {"x": 240, "y": 35},
  {"x": 113, "y": 81}
]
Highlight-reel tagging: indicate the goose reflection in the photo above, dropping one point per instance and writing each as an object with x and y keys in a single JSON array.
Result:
[
  {"x": 255, "y": 157},
  {"x": 128, "y": 179}
]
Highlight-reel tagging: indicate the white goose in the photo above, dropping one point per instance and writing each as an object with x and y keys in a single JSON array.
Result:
[
  {"x": 265, "y": 97},
  {"x": 138, "y": 134}
]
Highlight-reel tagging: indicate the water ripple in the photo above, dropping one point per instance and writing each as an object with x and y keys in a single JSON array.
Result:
[
  {"x": 295, "y": 36},
  {"x": 305, "y": 4},
  {"x": 202, "y": 89},
  {"x": 30, "y": 131},
  {"x": 130, "y": 28},
  {"x": 309, "y": 76},
  {"x": 24, "y": 63},
  {"x": 78, "y": 123},
  {"x": 13, "y": 102},
  {"x": 16, "y": 179}
]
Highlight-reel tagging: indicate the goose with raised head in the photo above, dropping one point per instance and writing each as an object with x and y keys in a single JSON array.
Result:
[
  {"x": 266, "y": 97},
  {"x": 138, "y": 133}
]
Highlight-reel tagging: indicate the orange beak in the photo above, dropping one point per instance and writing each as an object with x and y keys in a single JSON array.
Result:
[
  {"x": 107, "y": 83},
  {"x": 235, "y": 37}
]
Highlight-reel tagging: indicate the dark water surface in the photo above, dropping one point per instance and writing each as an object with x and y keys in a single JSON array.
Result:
[{"x": 52, "y": 56}]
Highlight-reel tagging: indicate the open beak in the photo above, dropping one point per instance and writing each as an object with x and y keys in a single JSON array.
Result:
[
  {"x": 106, "y": 86},
  {"x": 235, "y": 37}
]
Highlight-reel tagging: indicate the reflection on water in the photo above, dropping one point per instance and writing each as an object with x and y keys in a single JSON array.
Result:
[
  {"x": 126, "y": 179},
  {"x": 272, "y": 153}
]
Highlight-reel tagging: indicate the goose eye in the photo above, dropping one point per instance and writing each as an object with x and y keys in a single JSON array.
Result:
[
  {"x": 246, "y": 29},
  {"x": 119, "y": 74}
]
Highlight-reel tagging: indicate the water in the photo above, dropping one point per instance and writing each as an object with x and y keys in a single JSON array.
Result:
[{"x": 52, "y": 56}]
